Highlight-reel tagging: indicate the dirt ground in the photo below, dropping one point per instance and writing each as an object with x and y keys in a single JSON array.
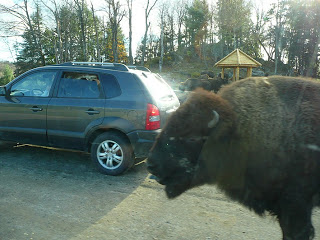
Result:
[{"x": 57, "y": 194}]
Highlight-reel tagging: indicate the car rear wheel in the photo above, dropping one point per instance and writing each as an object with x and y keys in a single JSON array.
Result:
[{"x": 112, "y": 153}]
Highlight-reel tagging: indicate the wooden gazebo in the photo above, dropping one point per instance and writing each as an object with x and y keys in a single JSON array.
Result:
[{"x": 236, "y": 60}]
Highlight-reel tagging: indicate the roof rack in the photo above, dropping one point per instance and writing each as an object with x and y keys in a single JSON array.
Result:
[
  {"x": 142, "y": 68},
  {"x": 116, "y": 66}
]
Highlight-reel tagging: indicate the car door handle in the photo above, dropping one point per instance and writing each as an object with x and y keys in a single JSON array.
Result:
[
  {"x": 35, "y": 109},
  {"x": 92, "y": 111}
]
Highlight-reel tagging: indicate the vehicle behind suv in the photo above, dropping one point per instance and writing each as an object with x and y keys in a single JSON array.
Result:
[{"x": 106, "y": 109}]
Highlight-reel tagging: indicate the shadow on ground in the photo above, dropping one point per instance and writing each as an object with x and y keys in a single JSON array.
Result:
[{"x": 55, "y": 194}]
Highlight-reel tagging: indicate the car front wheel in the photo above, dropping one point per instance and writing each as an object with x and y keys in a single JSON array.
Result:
[{"x": 111, "y": 153}]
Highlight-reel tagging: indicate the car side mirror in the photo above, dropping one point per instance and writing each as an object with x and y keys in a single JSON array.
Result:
[{"x": 3, "y": 91}]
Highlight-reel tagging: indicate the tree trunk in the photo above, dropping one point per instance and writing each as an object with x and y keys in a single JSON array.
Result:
[
  {"x": 129, "y": 2},
  {"x": 115, "y": 45},
  {"x": 97, "y": 34},
  {"x": 179, "y": 37},
  {"x": 277, "y": 44},
  {"x": 80, "y": 9},
  {"x": 144, "y": 41},
  {"x": 161, "y": 41},
  {"x": 171, "y": 33},
  {"x": 312, "y": 66},
  {"x": 115, "y": 17},
  {"x": 61, "y": 60}
]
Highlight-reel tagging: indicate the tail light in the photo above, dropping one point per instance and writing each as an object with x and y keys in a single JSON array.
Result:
[{"x": 153, "y": 117}]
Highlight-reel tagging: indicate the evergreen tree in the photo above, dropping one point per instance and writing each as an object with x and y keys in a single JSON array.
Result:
[
  {"x": 75, "y": 37},
  {"x": 7, "y": 75},
  {"x": 233, "y": 18},
  {"x": 31, "y": 52},
  {"x": 196, "y": 22},
  {"x": 107, "y": 50}
]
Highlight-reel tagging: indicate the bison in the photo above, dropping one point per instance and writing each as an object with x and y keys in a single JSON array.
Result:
[
  {"x": 258, "y": 140},
  {"x": 210, "y": 84},
  {"x": 193, "y": 83}
]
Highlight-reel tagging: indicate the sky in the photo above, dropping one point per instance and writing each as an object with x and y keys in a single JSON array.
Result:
[{"x": 7, "y": 52}]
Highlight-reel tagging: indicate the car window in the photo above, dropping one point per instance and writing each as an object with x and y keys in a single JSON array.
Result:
[
  {"x": 110, "y": 85},
  {"x": 156, "y": 85},
  {"x": 37, "y": 84},
  {"x": 79, "y": 85}
]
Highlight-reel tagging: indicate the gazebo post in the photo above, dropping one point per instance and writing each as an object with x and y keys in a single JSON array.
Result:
[
  {"x": 237, "y": 73},
  {"x": 234, "y": 74},
  {"x": 222, "y": 73},
  {"x": 249, "y": 71}
]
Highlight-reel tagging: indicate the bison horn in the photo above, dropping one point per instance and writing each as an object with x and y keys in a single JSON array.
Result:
[{"x": 215, "y": 120}]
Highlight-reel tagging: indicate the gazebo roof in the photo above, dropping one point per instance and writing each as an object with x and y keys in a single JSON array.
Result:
[{"x": 237, "y": 58}]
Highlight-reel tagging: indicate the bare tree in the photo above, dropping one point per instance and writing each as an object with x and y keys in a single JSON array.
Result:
[
  {"x": 170, "y": 19},
  {"x": 129, "y": 4},
  {"x": 148, "y": 9},
  {"x": 96, "y": 32},
  {"x": 80, "y": 5},
  {"x": 21, "y": 12},
  {"x": 162, "y": 11},
  {"x": 55, "y": 11},
  {"x": 259, "y": 30},
  {"x": 313, "y": 60},
  {"x": 116, "y": 15},
  {"x": 180, "y": 12},
  {"x": 211, "y": 25},
  {"x": 280, "y": 9}
]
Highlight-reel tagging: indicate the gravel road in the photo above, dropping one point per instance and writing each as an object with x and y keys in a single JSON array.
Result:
[{"x": 57, "y": 194}]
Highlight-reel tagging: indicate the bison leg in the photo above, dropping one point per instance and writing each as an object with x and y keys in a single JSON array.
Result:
[{"x": 295, "y": 219}]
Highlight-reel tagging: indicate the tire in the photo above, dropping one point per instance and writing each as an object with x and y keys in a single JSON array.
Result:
[{"x": 111, "y": 153}]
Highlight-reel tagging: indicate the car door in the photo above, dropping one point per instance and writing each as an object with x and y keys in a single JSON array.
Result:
[
  {"x": 23, "y": 111},
  {"x": 77, "y": 108}
]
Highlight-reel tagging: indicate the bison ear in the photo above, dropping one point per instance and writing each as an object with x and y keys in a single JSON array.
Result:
[{"x": 215, "y": 120}]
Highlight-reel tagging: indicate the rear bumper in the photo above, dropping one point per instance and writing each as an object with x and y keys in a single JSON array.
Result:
[{"x": 142, "y": 141}]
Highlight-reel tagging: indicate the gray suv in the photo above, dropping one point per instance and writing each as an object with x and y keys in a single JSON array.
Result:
[{"x": 106, "y": 109}]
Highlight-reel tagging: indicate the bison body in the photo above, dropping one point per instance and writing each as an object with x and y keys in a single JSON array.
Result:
[
  {"x": 205, "y": 82},
  {"x": 258, "y": 140},
  {"x": 193, "y": 83}
]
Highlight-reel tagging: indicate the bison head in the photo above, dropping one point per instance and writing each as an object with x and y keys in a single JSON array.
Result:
[{"x": 174, "y": 159}]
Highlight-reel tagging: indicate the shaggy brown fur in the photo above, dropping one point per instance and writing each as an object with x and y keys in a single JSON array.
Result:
[
  {"x": 198, "y": 110},
  {"x": 264, "y": 152}
]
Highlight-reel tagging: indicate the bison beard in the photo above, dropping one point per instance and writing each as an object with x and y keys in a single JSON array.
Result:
[{"x": 258, "y": 140}]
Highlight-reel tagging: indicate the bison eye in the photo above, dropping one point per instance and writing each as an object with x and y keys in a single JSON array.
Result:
[{"x": 170, "y": 147}]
